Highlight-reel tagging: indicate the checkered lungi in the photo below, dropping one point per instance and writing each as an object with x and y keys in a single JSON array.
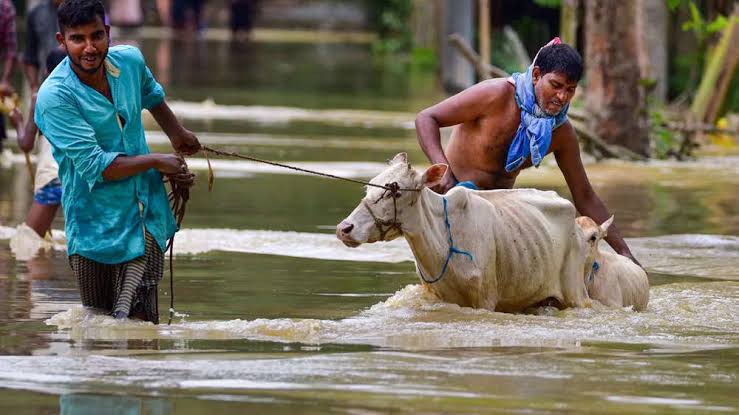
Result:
[{"x": 123, "y": 289}]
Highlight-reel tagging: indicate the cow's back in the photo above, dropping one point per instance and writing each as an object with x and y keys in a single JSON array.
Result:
[{"x": 534, "y": 233}]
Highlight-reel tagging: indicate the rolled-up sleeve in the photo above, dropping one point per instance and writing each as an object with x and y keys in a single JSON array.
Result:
[
  {"x": 73, "y": 137},
  {"x": 152, "y": 94}
]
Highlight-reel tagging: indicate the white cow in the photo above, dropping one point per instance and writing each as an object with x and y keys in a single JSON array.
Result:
[
  {"x": 521, "y": 248},
  {"x": 612, "y": 279}
]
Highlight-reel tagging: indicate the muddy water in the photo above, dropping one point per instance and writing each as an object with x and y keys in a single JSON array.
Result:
[{"x": 273, "y": 315}]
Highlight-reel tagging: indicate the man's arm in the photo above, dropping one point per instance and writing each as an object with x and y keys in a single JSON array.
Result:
[
  {"x": 27, "y": 133},
  {"x": 127, "y": 166},
  {"x": 468, "y": 105},
  {"x": 71, "y": 135},
  {"x": 183, "y": 140},
  {"x": 567, "y": 153}
]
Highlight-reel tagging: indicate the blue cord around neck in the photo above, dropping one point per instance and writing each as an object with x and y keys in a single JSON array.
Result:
[{"x": 452, "y": 249}]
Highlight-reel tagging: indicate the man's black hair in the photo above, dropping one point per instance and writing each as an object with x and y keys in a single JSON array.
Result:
[
  {"x": 74, "y": 13},
  {"x": 55, "y": 57},
  {"x": 560, "y": 58}
]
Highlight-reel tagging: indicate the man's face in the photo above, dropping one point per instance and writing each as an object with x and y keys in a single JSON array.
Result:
[
  {"x": 553, "y": 91},
  {"x": 86, "y": 45}
]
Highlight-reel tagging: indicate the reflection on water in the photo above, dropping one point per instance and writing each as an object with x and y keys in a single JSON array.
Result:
[
  {"x": 274, "y": 315},
  {"x": 320, "y": 75}
]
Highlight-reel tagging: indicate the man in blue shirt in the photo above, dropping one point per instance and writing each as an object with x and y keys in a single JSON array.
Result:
[{"x": 117, "y": 214}]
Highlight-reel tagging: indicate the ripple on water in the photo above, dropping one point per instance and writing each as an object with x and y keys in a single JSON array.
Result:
[{"x": 685, "y": 314}]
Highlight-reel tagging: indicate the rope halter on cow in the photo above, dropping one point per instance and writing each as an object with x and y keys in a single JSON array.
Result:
[{"x": 384, "y": 226}]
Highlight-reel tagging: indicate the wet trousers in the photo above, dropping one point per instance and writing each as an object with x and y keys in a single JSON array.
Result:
[{"x": 123, "y": 289}]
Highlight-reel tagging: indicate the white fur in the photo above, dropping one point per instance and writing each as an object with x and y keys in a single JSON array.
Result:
[
  {"x": 525, "y": 243},
  {"x": 619, "y": 282}
]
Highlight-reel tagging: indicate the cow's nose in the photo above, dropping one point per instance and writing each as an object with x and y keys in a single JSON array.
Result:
[{"x": 346, "y": 228}]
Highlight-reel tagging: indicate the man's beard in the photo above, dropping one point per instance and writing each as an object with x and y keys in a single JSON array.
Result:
[
  {"x": 89, "y": 71},
  {"x": 544, "y": 109}
]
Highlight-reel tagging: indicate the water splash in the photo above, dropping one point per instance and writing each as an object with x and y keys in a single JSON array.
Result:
[{"x": 686, "y": 314}]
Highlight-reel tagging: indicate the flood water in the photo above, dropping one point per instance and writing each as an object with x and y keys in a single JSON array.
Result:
[{"x": 274, "y": 315}]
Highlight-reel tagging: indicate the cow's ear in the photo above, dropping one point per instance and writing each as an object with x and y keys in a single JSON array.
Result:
[
  {"x": 399, "y": 158},
  {"x": 433, "y": 175},
  {"x": 604, "y": 226}
]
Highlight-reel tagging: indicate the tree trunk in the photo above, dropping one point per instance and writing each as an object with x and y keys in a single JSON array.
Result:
[
  {"x": 615, "y": 97},
  {"x": 425, "y": 24},
  {"x": 483, "y": 13},
  {"x": 652, "y": 23},
  {"x": 718, "y": 74},
  {"x": 568, "y": 21},
  {"x": 458, "y": 17}
]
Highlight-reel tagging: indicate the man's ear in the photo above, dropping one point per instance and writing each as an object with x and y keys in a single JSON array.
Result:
[
  {"x": 536, "y": 74},
  {"x": 60, "y": 39},
  {"x": 604, "y": 226},
  {"x": 433, "y": 175},
  {"x": 399, "y": 158}
]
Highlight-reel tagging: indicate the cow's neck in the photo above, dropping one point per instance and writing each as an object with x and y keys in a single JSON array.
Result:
[{"x": 426, "y": 232}]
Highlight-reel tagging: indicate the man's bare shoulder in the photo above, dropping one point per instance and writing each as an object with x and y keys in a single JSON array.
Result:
[
  {"x": 496, "y": 86},
  {"x": 496, "y": 92}
]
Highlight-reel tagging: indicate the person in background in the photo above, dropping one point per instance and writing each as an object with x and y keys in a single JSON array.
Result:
[
  {"x": 187, "y": 15},
  {"x": 41, "y": 29},
  {"x": 8, "y": 47},
  {"x": 242, "y": 19},
  {"x": 48, "y": 190}
]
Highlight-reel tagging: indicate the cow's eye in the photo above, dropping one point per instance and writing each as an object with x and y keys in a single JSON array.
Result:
[{"x": 593, "y": 238}]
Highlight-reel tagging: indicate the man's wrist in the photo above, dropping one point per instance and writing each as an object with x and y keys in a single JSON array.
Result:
[{"x": 152, "y": 160}]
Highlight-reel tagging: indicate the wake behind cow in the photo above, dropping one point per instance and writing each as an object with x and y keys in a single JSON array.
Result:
[{"x": 502, "y": 250}]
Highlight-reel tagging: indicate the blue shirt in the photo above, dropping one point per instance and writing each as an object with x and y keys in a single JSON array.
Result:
[{"x": 105, "y": 220}]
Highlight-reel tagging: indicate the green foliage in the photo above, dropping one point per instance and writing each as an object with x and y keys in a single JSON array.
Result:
[
  {"x": 552, "y": 4},
  {"x": 389, "y": 18},
  {"x": 664, "y": 140},
  {"x": 423, "y": 59},
  {"x": 718, "y": 24},
  {"x": 673, "y": 4},
  {"x": 688, "y": 67},
  {"x": 502, "y": 53},
  {"x": 697, "y": 23}
]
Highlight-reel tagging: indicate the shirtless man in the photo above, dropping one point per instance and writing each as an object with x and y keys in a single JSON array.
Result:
[{"x": 491, "y": 144}]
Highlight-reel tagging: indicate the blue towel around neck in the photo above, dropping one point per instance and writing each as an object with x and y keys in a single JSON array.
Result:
[
  {"x": 468, "y": 184},
  {"x": 534, "y": 135}
]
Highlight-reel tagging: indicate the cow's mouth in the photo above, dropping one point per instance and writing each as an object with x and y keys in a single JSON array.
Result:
[{"x": 350, "y": 244}]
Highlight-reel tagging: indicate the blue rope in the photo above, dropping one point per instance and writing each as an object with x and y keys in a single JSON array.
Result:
[
  {"x": 452, "y": 249},
  {"x": 593, "y": 271}
]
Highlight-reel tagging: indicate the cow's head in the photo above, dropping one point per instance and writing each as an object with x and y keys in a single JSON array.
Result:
[
  {"x": 592, "y": 234},
  {"x": 381, "y": 214}
]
